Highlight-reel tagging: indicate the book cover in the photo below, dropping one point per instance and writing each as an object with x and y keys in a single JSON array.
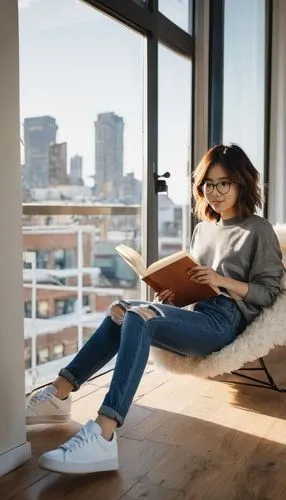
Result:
[{"x": 170, "y": 273}]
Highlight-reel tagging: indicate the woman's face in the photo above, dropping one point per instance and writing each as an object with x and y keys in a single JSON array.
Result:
[{"x": 220, "y": 192}]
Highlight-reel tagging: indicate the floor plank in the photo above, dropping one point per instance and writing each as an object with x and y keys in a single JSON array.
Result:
[
  {"x": 184, "y": 438},
  {"x": 141, "y": 490}
]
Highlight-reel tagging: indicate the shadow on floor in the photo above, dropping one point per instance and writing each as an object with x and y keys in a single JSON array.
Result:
[
  {"x": 164, "y": 456},
  {"x": 261, "y": 400}
]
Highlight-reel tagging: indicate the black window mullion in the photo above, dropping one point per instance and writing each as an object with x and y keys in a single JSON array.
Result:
[
  {"x": 146, "y": 20},
  {"x": 151, "y": 197},
  {"x": 174, "y": 37},
  {"x": 127, "y": 11},
  {"x": 216, "y": 57}
]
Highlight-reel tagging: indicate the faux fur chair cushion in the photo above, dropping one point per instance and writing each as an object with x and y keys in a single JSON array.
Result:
[{"x": 265, "y": 333}]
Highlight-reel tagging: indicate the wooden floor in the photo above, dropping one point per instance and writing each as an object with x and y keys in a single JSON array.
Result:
[{"x": 184, "y": 438}]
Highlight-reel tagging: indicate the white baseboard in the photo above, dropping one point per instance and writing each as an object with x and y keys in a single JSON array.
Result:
[{"x": 14, "y": 458}]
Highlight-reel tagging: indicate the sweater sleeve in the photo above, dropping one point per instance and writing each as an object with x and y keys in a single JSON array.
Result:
[{"x": 266, "y": 270}]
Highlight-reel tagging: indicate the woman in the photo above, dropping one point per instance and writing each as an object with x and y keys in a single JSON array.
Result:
[{"x": 238, "y": 252}]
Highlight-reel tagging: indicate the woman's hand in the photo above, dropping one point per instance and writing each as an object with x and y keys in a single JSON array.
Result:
[
  {"x": 165, "y": 297},
  {"x": 205, "y": 274}
]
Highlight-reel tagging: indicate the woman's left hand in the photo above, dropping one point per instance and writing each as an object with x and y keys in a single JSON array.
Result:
[{"x": 205, "y": 274}]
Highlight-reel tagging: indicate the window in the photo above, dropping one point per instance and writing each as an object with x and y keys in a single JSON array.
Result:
[
  {"x": 174, "y": 128},
  {"x": 59, "y": 259},
  {"x": 65, "y": 306},
  {"x": 64, "y": 258},
  {"x": 42, "y": 259},
  {"x": 28, "y": 309},
  {"x": 64, "y": 43},
  {"x": 57, "y": 155},
  {"x": 70, "y": 258},
  {"x": 85, "y": 300},
  {"x": 43, "y": 356},
  {"x": 70, "y": 305},
  {"x": 58, "y": 351},
  {"x": 244, "y": 78},
  {"x": 59, "y": 307},
  {"x": 42, "y": 308}
]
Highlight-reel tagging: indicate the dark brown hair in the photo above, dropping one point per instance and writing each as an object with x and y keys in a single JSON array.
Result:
[{"x": 240, "y": 170}]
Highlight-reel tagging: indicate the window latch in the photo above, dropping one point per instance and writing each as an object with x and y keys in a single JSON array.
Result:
[{"x": 160, "y": 183}]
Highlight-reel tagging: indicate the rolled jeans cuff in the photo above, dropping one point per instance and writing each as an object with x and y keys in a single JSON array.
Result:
[
  {"x": 70, "y": 377},
  {"x": 110, "y": 413}
]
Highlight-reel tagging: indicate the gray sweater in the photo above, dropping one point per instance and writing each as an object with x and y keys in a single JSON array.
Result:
[{"x": 245, "y": 250}]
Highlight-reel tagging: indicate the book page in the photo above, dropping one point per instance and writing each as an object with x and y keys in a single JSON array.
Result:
[
  {"x": 133, "y": 258},
  {"x": 169, "y": 260}
]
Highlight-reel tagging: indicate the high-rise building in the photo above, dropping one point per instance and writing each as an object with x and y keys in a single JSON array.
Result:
[
  {"x": 76, "y": 170},
  {"x": 131, "y": 189},
  {"x": 108, "y": 156},
  {"x": 39, "y": 133},
  {"x": 58, "y": 164}
]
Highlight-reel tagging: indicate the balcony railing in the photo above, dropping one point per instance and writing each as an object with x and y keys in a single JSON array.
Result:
[{"x": 79, "y": 209}]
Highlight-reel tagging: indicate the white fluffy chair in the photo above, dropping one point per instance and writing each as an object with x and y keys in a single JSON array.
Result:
[{"x": 265, "y": 333}]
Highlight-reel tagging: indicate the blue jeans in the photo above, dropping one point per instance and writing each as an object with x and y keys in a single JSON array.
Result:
[{"x": 212, "y": 325}]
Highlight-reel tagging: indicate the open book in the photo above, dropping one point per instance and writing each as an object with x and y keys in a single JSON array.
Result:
[{"x": 169, "y": 273}]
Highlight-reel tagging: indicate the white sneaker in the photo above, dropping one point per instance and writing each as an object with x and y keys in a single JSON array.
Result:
[
  {"x": 85, "y": 452},
  {"x": 44, "y": 408}
]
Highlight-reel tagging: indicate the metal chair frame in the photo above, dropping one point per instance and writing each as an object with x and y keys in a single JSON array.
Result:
[{"x": 269, "y": 383}]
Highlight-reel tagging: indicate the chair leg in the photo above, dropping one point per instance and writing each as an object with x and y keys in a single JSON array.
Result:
[
  {"x": 255, "y": 382},
  {"x": 270, "y": 378}
]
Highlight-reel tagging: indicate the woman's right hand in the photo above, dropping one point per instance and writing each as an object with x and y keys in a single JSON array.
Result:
[{"x": 165, "y": 297}]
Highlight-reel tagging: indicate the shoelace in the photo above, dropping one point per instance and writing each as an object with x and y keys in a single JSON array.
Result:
[
  {"x": 40, "y": 396},
  {"x": 80, "y": 439}
]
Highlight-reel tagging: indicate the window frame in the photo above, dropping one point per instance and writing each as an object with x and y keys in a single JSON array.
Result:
[
  {"x": 217, "y": 24},
  {"x": 157, "y": 28}
]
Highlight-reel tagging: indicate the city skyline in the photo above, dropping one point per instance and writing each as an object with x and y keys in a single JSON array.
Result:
[
  {"x": 76, "y": 63},
  {"x": 46, "y": 164}
]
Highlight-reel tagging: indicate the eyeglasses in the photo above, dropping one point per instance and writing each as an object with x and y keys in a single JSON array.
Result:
[{"x": 222, "y": 187}]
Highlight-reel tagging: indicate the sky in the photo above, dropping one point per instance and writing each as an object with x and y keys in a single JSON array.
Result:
[{"x": 76, "y": 62}]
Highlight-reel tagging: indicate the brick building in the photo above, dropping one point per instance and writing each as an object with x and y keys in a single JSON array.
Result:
[{"x": 56, "y": 282}]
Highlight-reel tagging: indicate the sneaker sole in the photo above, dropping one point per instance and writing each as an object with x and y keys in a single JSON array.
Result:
[
  {"x": 53, "y": 419},
  {"x": 86, "y": 468}
]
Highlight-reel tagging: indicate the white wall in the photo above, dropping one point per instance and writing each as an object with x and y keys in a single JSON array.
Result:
[{"x": 13, "y": 447}]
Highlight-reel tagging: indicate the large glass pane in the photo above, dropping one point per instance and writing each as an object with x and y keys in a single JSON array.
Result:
[
  {"x": 174, "y": 150},
  {"x": 178, "y": 11},
  {"x": 81, "y": 104},
  {"x": 82, "y": 142},
  {"x": 244, "y": 77}
]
